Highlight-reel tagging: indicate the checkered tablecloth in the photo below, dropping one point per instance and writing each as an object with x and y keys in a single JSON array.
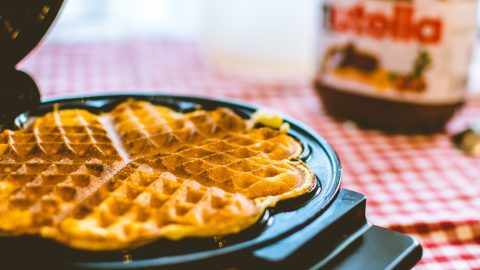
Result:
[{"x": 420, "y": 185}]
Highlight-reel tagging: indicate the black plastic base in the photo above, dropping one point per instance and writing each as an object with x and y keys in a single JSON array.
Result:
[
  {"x": 341, "y": 238},
  {"x": 379, "y": 248}
]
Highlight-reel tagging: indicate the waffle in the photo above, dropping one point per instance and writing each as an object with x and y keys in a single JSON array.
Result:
[
  {"x": 248, "y": 164},
  {"x": 140, "y": 172},
  {"x": 145, "y": 128},
  {"x": 48, "y": 168},
  {"x": 138, "y": 205}
]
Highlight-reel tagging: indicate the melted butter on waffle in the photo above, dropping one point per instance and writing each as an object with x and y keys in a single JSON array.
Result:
[{"x": 140, "y": 172}]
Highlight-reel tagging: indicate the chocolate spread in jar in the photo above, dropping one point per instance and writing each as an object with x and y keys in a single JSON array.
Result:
[{"x": 396, "y": 65}]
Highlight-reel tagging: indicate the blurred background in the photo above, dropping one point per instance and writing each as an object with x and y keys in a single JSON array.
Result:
[
  {"x": 249, "y": 38},
  {"x": 261, "y": 39},
  {"x": 277, "y": 39}
]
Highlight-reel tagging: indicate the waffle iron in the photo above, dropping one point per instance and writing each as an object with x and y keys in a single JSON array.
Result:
[{"x": 325, "y": 229}]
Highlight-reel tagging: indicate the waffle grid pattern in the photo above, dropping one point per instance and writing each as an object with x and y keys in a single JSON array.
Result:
[
  {"x": 137, "y": 202},
  {"x": 72, "y": 185},
  {"x": 48, "y": 167},
  {"x": 212, "y": 147},
  {"x": 143, "y": 127},
  {"x": 248, "y": 167},
  {"x": 60, "y": 134}
]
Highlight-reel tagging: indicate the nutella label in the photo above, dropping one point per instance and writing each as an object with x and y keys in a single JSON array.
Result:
[{"x": 413, "y": 51}]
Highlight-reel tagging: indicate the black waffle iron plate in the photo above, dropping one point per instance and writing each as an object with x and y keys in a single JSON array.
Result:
[{"x": 325, "y": 229}]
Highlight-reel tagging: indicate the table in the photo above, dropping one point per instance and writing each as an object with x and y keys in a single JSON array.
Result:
[{"x": 420, "y": 185}]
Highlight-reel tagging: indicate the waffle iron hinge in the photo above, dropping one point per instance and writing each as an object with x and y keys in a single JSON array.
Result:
[
  {"x": 341, "y": 238},
  {"x": 22, "y": 26},
  {"x": 18, "y": 93}
]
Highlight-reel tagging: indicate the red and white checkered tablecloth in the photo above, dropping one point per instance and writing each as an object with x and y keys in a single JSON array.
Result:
[{"x": 420, "y": 185}]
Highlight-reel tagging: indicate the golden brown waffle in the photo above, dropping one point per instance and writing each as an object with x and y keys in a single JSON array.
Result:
[
  {"x": 138, "y": 205},
  {"x": 49, "y": 167},
  {"x": 251, "y": 164},
  {"x": 145, "y": 128},
  {"x": 140, "y": 172},
  {"x": 61, "y": 134}
]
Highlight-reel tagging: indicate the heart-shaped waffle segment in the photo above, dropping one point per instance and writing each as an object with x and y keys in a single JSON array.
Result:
[{"x": 141, "y": 172}]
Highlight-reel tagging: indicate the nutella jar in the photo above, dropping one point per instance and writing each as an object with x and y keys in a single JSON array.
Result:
[{"x": 395, "y": 65}]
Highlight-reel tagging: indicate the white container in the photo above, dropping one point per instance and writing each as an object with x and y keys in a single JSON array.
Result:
[{"x": 266, "y": 38}]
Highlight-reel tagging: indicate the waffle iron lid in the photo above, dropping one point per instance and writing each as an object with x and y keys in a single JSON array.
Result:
[
  {"x": 286, "y": 218},
  {"x": 22, "y": 24}
]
